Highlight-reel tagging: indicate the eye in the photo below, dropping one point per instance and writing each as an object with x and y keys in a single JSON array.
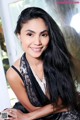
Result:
[
  {"x": 45, "y": 35},
  {"x": 29, "y": 34}
]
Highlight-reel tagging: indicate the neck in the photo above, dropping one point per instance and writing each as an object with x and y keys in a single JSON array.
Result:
[
  {"x": 36, "y": 65},
  {"x": 34, "y": 61}
]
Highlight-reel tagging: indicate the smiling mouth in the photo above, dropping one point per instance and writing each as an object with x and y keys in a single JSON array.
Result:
[{"x": 36, "y": 49}]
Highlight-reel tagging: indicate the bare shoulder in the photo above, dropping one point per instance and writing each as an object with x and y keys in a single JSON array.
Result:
[{"x": 11, "y": 74}]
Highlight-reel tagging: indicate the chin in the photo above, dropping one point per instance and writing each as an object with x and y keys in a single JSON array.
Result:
[{"x": 37, "y": 56}]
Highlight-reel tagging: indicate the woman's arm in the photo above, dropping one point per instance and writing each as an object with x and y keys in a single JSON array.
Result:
[
  {"x": 39, "y": 113},
  {"x": 18, "y": 88},
  {"x": 18, "y": 115}
]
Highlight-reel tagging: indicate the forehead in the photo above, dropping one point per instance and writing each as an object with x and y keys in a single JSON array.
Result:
[{"x": 36, "y": 23}]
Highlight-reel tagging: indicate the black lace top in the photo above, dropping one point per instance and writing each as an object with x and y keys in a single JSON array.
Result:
[{"x": 36, "y": 95}]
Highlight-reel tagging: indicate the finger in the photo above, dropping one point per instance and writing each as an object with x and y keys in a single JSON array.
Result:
[{"x": 12, "y": 115}]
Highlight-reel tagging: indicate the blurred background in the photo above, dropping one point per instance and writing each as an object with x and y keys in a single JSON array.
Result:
[{"x": 67, "y": 15}]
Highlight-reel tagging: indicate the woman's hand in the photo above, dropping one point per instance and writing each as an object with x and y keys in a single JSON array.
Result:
[
  {"x": 18, "y": 115},
  {"x": 14, "y": 114}
]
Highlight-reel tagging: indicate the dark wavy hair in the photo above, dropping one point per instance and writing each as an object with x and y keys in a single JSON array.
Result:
[{"x": 56, "y": 59}]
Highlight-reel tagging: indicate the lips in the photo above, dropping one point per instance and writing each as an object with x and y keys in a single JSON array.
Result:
[{"x": 36, "y": 49}]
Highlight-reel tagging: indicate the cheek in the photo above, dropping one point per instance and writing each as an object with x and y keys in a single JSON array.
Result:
[
  {"x": 24, "y": 45},
  {"x": 46, "y": 43},
  {"x": 25, "y": 42}
]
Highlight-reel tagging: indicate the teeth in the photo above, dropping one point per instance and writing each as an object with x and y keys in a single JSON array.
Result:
[{"x": 36, "y": 49}]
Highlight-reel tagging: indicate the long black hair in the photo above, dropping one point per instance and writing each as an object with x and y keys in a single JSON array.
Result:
[{"x": 56, "y": 58}]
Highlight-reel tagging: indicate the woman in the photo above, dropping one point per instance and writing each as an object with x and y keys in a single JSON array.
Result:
[{"x": 41, "y": 78}]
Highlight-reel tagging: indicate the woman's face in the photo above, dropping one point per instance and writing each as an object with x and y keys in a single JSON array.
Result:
[{"x": 34, "y": 37}]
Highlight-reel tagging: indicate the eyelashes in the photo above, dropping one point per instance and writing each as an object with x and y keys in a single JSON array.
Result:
[
  {"x": 43, "y": 35},
  {"x": 29, "y": 34}
]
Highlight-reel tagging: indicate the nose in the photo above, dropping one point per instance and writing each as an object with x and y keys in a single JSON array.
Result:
[{"x": 37, "y": 40}]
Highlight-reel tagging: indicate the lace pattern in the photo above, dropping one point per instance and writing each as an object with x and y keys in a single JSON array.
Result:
[
  {"x": 27, "y": 82},
  {"x": 70, "y": 115}
]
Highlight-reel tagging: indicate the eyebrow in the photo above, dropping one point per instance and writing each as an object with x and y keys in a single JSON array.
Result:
[{"x": 35, "y": 32}]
